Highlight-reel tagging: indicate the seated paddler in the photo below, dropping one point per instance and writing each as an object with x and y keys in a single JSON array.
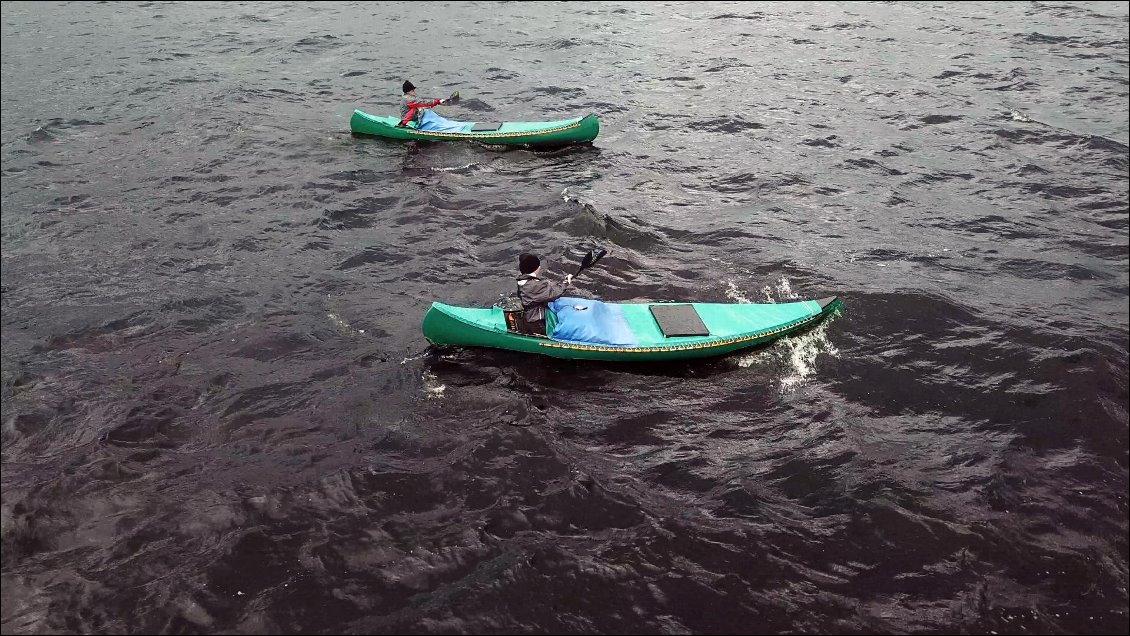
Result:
[
  {"x": 413, "y": 107},
  {"x": 536, "y": 292},
  {"x": 417, "y": 113}
]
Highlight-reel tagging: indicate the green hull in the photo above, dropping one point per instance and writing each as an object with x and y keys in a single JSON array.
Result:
[
  {"x": 548, "y": 133},
  {"x": 732, "y": 327}
]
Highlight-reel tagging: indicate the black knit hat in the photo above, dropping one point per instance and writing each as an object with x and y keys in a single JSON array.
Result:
[
  {"x": 528, "y": 263},
  {"x": 408, "y": 86}
]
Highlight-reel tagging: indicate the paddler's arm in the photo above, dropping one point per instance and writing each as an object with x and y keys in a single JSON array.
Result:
[
  {"x": 413, "y": 106},
  {"x": 542, "y": 291},
  {"x": 425, "y": 103}
]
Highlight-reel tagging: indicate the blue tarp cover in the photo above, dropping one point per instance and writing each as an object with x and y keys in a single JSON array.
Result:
[
  {"x": 432, "y": 122},
  {"x": 586, "y": 321}
]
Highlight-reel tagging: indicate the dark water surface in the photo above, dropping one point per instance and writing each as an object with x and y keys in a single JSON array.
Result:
[{"x": 220, "y": 415}]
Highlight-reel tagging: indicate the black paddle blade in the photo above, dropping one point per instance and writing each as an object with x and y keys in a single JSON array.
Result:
[{"x": 591, "y": 258}]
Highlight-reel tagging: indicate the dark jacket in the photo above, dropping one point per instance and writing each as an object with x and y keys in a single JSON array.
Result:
[{"x": 536, "y": 293}]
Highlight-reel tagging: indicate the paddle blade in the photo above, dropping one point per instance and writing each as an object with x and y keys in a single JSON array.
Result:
[
  {"x": 454, "y": 98},
  {"x": 591, "y": 258}
]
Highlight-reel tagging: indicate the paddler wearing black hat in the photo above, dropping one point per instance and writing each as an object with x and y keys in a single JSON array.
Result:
[
  {"x": 413, "y": 107},
  {"x": 536, "y": 293}
]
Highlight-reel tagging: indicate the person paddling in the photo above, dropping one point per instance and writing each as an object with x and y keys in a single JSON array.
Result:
[
  {"x": 536, "y": 293},
  {"x": 412, "y": 110}
]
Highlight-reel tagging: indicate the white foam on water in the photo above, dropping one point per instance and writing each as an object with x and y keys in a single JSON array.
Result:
[
  {"x": 415, "y": 357},
  {"x": 747, "y": 360},
  {"x": 569, "y": 197},
  {"x": 1019, "y": 116},
  {"x": 735, "y": 294},
  {"x": 785, "y": 291},
  {"x": 340, "y": 324},
  {"x": 782, "y": 290},
  {"x": 797, "y": 355},
  {"x": 802, "y": 351},
  {"x": 432, "y": 390},
  {"x": 457, "y": 168}
]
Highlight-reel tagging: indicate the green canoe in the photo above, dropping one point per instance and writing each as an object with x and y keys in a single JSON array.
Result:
[
  {"x": 518, "y": 133},
  {"x": 731, "y": 327}
]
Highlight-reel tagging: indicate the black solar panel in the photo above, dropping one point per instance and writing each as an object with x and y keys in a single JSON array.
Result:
[
  {"x": 485, "y": 127},
  {"x": 679, "y": 320}
]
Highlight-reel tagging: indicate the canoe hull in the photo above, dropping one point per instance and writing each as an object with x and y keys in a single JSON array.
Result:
[
  {"x": 454, "y": 326},
  {"x": 555, "y": 133}
]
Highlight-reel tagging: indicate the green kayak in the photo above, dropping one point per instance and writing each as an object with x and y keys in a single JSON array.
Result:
[
  {"x": 727, "y": 327},
  {"x": 518, "y": 133}
]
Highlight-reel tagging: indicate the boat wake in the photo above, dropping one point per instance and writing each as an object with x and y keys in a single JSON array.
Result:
[
  {"x": 344, "y": 328},
  {"x": 781, "y": 291},
  {"x": 1019, "y": 116},
  {"x": 470, "y": 167},
  {"x": 432, "y": 388},
  {"x": 793, "y": 357},
  {"x": 411, "y": 358}
]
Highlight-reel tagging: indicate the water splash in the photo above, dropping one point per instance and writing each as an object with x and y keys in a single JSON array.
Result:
[
  {"x": 464, "y": 168},
  {"x": 802, "y": 352},
  {"x": 410, "y": 358},
  {"x": 773, "y": 293},
  {"x": 432, "y": 389},
  {"x": 781, "y": 291},
  {"x": 785, "y": 290},
  {"x": 568, "y": 197},
  {"x": 342, "y": 327},
  {"x": 795, "y": 354},
  {"x": 735, "y": 294}
]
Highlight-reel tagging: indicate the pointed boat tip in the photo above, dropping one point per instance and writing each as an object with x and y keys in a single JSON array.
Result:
[{"x": 824, "y": 302}]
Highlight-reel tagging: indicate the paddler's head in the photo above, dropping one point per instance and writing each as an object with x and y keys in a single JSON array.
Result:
[
  {"x": 529, "y": 264},
  {"x": 409, "y": 88}
]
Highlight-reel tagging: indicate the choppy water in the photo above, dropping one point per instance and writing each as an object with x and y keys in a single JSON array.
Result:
[{"x": 220, "y": 415}]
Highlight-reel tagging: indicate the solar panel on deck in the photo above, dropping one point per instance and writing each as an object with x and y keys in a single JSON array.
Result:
[
  {"x": 485, "y": 127},
  {"x": 678, "y": 320}
]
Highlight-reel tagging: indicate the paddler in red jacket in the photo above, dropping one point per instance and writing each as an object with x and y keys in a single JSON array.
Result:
[{"x": 413, "y": 107}]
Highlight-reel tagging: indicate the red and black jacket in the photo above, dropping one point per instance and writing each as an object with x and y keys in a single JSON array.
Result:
[{"x": 411, "y": 108}]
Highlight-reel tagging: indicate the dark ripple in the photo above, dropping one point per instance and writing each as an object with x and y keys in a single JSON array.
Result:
[
  {"x": 756, "y": 15},
  {"x": 939, "y": 119},
  {"x": 316, "y": 44},
  {"x": 732, "y": 124},
  {"x": 831, "y": 141}
]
